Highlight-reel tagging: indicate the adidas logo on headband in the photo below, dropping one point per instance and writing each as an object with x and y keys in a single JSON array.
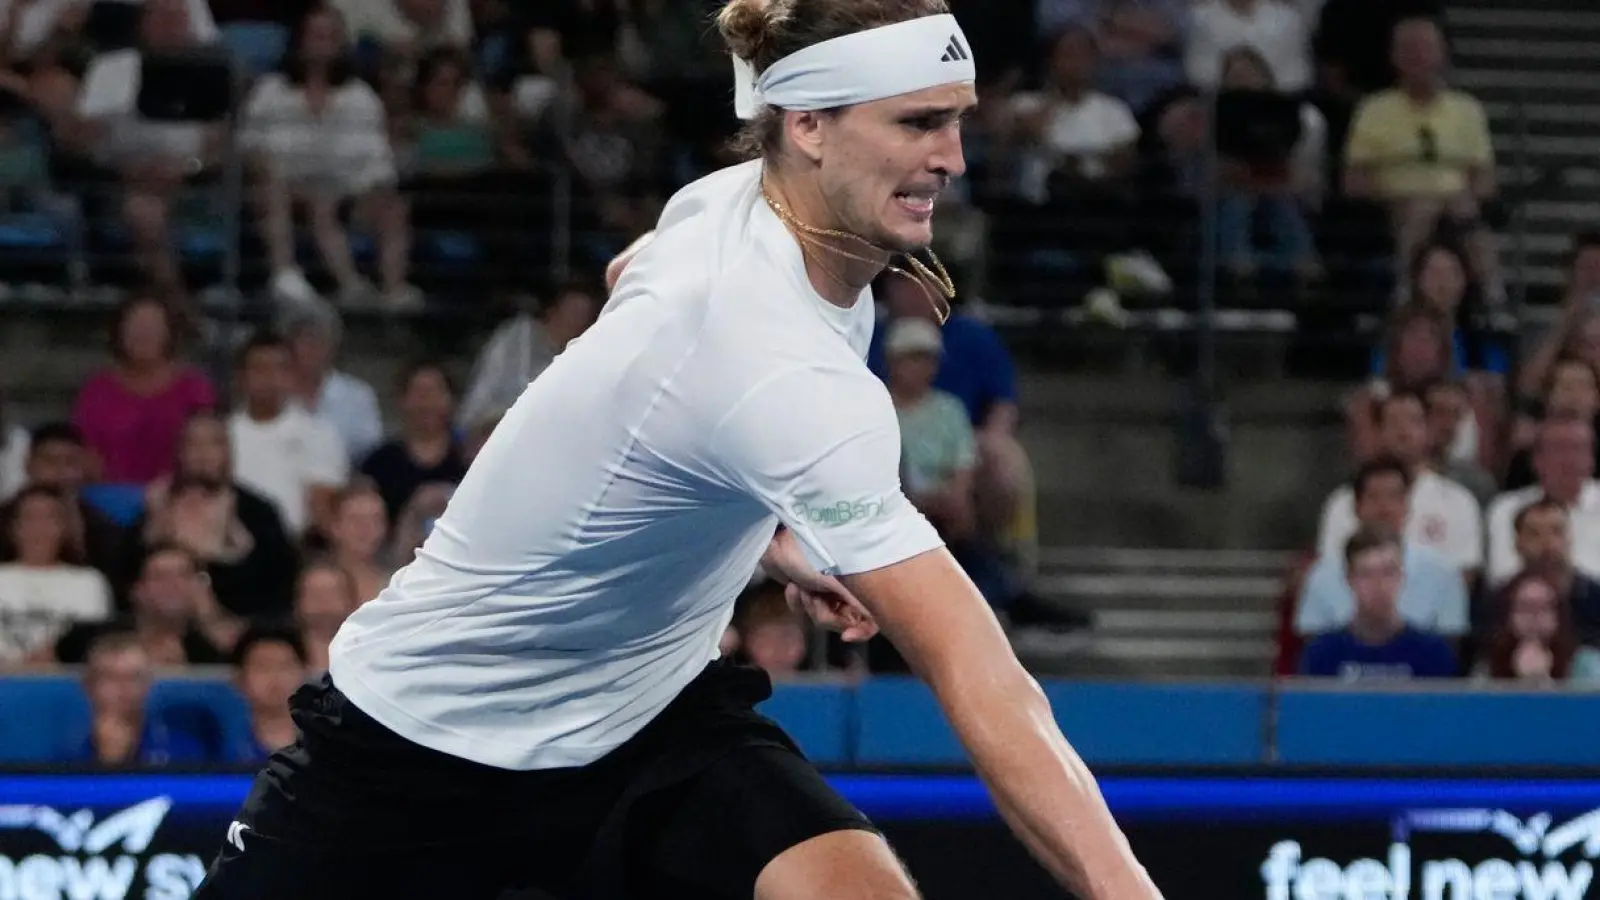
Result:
[{"x": 954, "y": 51}]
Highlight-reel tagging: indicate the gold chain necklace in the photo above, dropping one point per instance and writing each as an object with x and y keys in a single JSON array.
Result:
[{"x": 923, "y": 277}]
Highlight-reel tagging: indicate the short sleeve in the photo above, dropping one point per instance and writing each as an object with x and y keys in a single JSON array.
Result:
[
  {"x": 1338, "y": 523},
  {"x": 1466, "y": 529},
  {"x": 327, "y": 464},
  {"x": 1121, "y": 127},
  {"x": 1318, "y": 611},
  {"x": 820, "y": 448},
  {"x": 110, "y": 86}
]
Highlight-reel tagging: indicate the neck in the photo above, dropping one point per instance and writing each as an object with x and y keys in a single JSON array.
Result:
[
  {"x": 1420, "y": 90},
  {"x": 839, "y": 267},
  {"x": 429, "y": 435},
  {"x": 1243, "y": 6},
  {"x": 906, "y": 395},
  {"x": 352, "y": 562},
  {"x": 1565, "y": 494},
  {"x": 143, "y": 368},
  {"x": 37, "y": 560},
  {"x": 264, "y": 412},
  {"x": 155, "y": 627},
  {"x": 1375, "y": 631},
  {"x": 1072, "y": 92}
]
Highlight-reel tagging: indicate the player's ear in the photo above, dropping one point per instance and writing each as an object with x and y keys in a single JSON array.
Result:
[{"x": 805, "y": 132}]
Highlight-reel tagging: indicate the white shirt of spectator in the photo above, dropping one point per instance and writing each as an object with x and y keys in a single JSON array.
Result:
[
  {"x": 1276, "y": 30},
  {"x": 382, "y": 21},
  {"x": 587, "y": 566},
  {"x": 344, "y": 152},
  {"x": 283, "y": 458},
  {"x": 37, "y": 606},
  {"x": 1444, "y": 517},
  {"x": 1585, "y": 530},
  {"x": 111, "y": 95},
  {"x": 13, "y": 461},
  {"x": 1093, "y": 127},
  {"x": 350, "y": 405},
  {"x": 36, "y": 22}
]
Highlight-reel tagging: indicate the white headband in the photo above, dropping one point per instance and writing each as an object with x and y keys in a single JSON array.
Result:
[{"x": 858, "y": 68}]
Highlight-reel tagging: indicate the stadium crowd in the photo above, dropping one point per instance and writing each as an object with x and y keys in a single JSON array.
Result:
[{"x": 175, "y": 520}]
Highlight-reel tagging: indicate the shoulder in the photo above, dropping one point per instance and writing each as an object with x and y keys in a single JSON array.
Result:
[
  {"x": 1508, "y": 503},
  {"x": 272, "y": 87},
  {"x": 98, "y": 385},
  {"x": 114, "y": 64},
  {"x": 948, "y": 405},
  {"x": 1382, "y": 102},
  {"x": 1452, "y": 493},
  {"x": 383, "y": 456},
  {"x": 1461, "y": 101},
  {"x": 1429, "y": 559},
  {"x": 1340, "y": 499}
]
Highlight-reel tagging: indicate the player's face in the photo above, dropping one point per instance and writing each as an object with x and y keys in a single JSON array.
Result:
[{"x": 883, "y": 164}]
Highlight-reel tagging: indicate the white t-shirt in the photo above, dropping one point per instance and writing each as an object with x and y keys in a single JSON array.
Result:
[
  {"x": 1276, "y": 30},
  {"x": 1093, "y": 127},
  {"x": 343, "y": 152},
  {"x": 37, "y": 606},
  {"x": 35, "y": 23},
  {"x": 281, "y": 459},
  {"x": 383, "y": 21},
  {"x": 111, "y": 94},
  {"x": 1585, "y": 530},
  {"x": 588, "y": 564},
  {"x": 1444, "y": 517}
]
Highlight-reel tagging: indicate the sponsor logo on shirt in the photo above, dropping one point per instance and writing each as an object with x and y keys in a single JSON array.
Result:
[{"x": 842, "y": 512}]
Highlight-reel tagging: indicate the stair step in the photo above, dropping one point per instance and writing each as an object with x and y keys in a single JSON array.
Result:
[
  {"x": 1500, "y": 18},
  {"x": 1184, "y": 623},
  {"x": 1142, "y": 589},
  {"x": 1576, "y": 53},
  {"x": 1117, "y": 657},
  {"x": 1142, "y": 560},
  {"x": 1548, "y": 147}
]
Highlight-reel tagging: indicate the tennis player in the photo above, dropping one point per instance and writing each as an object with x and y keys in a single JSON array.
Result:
[{"x": 535, "y": 702}]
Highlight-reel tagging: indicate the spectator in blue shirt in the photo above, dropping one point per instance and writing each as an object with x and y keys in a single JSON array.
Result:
[
  {"x": 122, "y": 731},
  {"x": 976, "y": 368},
  {"x": 1432, "y": 597},
  {"x": 269, "y": 665},
  {"x": 1377, "y": 643}
]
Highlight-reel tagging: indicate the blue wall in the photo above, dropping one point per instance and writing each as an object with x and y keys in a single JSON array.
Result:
[{"x": 889, "y": 722}]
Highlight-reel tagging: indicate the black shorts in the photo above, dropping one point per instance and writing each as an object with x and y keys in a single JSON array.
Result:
[{"x": 695, "y": 805}]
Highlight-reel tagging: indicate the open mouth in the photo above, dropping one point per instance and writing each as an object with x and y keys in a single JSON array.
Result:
[{"x": 918, "y": 204}]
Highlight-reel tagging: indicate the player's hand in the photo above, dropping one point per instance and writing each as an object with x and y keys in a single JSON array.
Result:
[
  {"x": 822, "y": 597},
  {"x": 834, "y": 609}
]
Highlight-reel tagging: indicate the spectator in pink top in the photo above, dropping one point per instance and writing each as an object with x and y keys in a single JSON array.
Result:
[{"x": 132, "y": 412}]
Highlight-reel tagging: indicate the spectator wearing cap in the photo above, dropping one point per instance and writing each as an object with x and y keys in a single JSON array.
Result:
[
  {"x": 1377, "y": 642},
  {"x": 331, "y": 394},
  {"x": 939, "y": 453},
  {"x": 1563, "y": 461},
  {"x": 130, "y": 413},
  {"x": 282, "y": 452},
  {"x": 521, "y": 348},
  {"x": 1545, "y": 546},
  {"x": 1443, "y": 515},
  {"x": 976, "y": 368},
  {"x": 939, "y": 450},
  {"x": 1432, "y": 596},
  {"x": 269, "y": 665}
]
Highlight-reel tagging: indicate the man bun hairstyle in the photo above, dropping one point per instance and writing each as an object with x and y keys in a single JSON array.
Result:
[{"x": 762, "y": 32}]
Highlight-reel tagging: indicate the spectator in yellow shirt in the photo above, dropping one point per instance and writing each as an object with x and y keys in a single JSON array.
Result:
[{"x": 1424, "y": 150}]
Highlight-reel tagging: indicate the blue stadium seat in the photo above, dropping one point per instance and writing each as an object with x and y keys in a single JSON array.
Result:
[
  {"x": 42, "y": 720},
  {"x": 33, "y": 232},
  {"x": 258, "y": 46},
  {"x": 212, "y": 709},
  {"x": 121, "y": 503}
]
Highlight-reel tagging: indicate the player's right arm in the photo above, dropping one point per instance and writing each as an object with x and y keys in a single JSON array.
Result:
[
  {"x": 939, "y": 622},
  {"x": 821, "y": 449}
]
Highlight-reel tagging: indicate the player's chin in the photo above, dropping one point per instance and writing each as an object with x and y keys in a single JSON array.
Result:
[{"x": 907, "y": 235}]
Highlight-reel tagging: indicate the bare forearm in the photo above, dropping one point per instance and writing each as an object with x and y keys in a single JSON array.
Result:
[{"x": 1043, "y": 789}]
